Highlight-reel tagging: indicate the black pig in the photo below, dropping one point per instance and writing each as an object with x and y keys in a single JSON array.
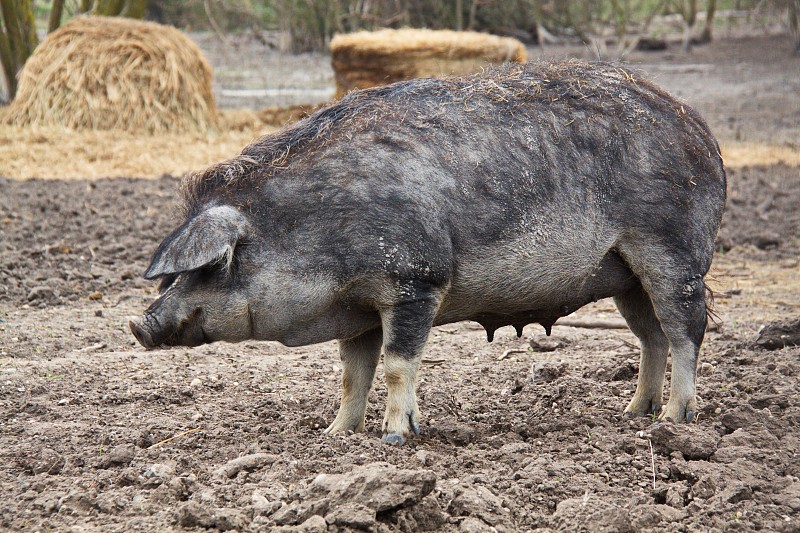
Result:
[{"x": 511, "y": 197}]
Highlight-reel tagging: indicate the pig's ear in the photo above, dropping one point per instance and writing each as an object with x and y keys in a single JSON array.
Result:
[{"x": 207, "y": 238}]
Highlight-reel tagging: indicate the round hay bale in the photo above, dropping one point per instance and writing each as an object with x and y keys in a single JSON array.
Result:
[
  {"x": 115, "y": 73},
  {"x": 366, "y": 59}
]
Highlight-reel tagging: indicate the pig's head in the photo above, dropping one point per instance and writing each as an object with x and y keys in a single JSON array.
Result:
[{"x": 202, "y": 298}]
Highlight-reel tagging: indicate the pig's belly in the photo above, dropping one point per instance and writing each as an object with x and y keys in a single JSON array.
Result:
[
  {"x": 336, "y": 323},
  {"x": 519, "y": 285}
]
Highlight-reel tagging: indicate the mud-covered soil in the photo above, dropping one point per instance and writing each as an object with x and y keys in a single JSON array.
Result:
[{"x": 98, "y": 434}]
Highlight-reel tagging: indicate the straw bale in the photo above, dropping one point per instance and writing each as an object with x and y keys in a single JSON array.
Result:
[
  {"x": 114, "y": 73},
  {"x": 366, "y": 59}
]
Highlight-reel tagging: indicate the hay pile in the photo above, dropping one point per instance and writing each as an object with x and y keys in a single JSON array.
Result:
[
  {"x": 365, "y": 59},
  {"x": 113, "y": 73}
]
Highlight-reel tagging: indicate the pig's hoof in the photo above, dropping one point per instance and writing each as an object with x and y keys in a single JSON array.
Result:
[
  {"x": 641, "y": 408},
  {"x": 405, "y": 425},
  {"x": 394, "y": 439},
  {"x": 679, "y": 411},
  {"x": 344, "y": 426}
]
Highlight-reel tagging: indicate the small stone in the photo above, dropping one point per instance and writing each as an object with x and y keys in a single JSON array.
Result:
[
  {"x": 192, "y": 514},
  {"x": 545, "y": 345},
  {"x": 315, "y": 524},
  {"x": 352, "y": 515},
  {"x": 262, "y": 506},
  {"x": 706, "y": 369},
  {"x": 159, "y": 473},
  {"x": 96, "y": 295},
  {"x": 423, "y": 457},
  {"x": 98, "y": 312},
  {"x": 196, "y": 382},
  {"x": 42, "y": 293},
  {"x": 676, "y": 495},
  {"x": 225, "y": 519},
  {"x": 119, "y": 455}
]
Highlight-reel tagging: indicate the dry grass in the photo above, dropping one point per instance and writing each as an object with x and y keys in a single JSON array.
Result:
[
  {"x": 739, "y": 154},
  {"x": 366, "y": 59},
  {"x": 761, "y": 289},
  {"x": 106, "y": 73},
  {"x": 57, "y": 153}
]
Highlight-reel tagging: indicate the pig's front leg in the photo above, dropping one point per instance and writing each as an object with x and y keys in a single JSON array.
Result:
[
  {"x": 359, "y": 358},
  {"x": 405, "y": 331}
]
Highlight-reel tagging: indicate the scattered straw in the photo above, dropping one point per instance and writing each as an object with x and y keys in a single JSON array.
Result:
[
  {"x": 652, "y": 462},
  {"x": 366, "y": 59},
  {"x": 181, "y": 434},
  {"x": 115, "y": 73}
]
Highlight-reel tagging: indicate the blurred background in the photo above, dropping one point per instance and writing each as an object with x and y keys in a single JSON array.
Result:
[
  {"x": 232, "y": 33},
  {"x": 237, "y": 69}
]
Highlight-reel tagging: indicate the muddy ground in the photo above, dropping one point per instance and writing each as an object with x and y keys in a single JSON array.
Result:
[{"x": 97, "y": 434}]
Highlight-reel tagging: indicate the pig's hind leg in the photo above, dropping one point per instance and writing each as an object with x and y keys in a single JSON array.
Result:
[
  {"x": 406, "y": 326},
  {"x": 637, "y": 309},
  {"x": 359, "y": 358},
  {"x": 673, "y": 279}
]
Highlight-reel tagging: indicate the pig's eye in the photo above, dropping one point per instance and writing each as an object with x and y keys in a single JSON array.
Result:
[
  {"x": 214, "y": 272},
  {"x": 166, "y": 282}
]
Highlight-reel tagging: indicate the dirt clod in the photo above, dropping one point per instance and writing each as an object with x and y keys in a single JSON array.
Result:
[
  {"x": 119, "y": 455},
  {"x": 352, "y": 515},
  {"x": 46, "y": 460},
  {"x": 454, "y": 432},
  {"x": 246, "y": 463},
  {"x": 379, "y": 486},
  {"x": 43, "y": 294},
  {"x": 780, "y": 334},
  {"x": 479, "y": 502},
  {"x": 692, "y": 441}
]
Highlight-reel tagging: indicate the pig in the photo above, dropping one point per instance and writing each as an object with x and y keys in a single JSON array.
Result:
[{"x": 510, "y": 197}]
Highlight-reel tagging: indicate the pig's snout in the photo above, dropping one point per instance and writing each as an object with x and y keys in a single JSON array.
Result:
[
  {"x": 151, "y": 331},
  {"x": 142, "y": 333}
]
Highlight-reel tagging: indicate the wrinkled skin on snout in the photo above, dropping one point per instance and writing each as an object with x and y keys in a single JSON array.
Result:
[{"x": 511, "y": 197}]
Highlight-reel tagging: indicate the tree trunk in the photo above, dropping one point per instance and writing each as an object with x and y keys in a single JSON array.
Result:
[
  {"x": 108, "y": 8},
  {"x": 537, "y": 16},
  {"x": 711, "y": 7},
  {"x": 134, "y": 9},
  {"x": 27, "y": 25},
  {"x": 689, "y": 12},
  {"x": 11, "y": 20},
  {"x": 55, "y": 16},
  {"x": 17, "y": 40},
  {"x": 473, "y": 12},
  {"x": 8, "y": 62},
  {"x": 794, "y": 23},
  {"x": 459, "y": 15}
]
